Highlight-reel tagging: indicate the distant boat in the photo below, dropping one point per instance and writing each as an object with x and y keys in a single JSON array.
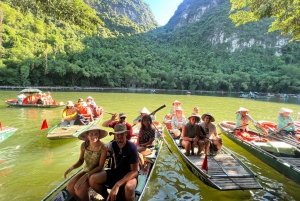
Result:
[
  {"x": 152, "y": 91},
  {"x": 188, "y": 92}
]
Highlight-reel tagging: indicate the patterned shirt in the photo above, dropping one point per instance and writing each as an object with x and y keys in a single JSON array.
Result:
[{"x": 146, "y": 135}]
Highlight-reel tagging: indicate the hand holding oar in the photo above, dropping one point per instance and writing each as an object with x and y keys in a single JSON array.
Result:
[{"x": 277, "y": 131}]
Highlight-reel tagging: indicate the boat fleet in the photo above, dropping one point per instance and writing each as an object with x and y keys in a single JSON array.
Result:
[{"x": 224, "y": 171}]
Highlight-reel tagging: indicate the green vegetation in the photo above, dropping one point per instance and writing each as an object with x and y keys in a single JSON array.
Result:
[
  {"x": 127, "y": 53},
  {"x": 285, "y": 14}
]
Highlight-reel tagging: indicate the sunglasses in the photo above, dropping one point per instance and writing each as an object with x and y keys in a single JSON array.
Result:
[{"x": 122, "y": 117}]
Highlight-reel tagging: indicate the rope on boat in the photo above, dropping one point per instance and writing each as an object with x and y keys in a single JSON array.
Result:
[{"x": 60, "y": 185}]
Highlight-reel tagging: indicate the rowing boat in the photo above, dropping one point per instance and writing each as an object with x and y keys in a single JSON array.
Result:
[
  {"x": 60, "y": 193},
  {"x": 14, "y": 103},
  {"x": 73, "y": 131},
  {"x": 281, "y": 156},
  {"x": 6, "y": 132},
  {"x": 268, "y": 129},
  {"x": 225, "y": 171}
]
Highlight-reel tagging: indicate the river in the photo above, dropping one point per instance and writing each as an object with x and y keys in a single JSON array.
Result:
[{"x": 31, "y": 165}]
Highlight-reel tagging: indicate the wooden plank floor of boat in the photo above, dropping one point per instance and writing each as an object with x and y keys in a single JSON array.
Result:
[
  {"x": 226, "y": 172},
  {"x": 65, "y": 131},
  {"x": 295, "y": 162}
]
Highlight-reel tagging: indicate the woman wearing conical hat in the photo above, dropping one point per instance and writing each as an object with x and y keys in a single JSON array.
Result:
[
  {"x": 285, "y": 124},
  {"x": 242, "y": 119},
  {"x": 143, "y": 112}
]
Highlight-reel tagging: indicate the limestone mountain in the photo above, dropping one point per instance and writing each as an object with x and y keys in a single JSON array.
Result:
[{"x": 124, "y": 17}]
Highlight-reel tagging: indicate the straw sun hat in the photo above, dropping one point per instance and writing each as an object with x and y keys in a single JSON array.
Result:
[
  {"x": 69, "y": 103},
  {"x": 212, "y": 119},
  {"x": 194, "y": 115},
  {"x": 83, "y": 136}
]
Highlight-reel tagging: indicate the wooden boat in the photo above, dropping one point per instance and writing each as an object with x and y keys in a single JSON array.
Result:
[
  {"x": 63, "y": 132},
  {"x": 61, "y": 193},
  {"x": 225, "y": 171},
  {"x": 15, "y": 103},
  {"x": 279, "y": 155},
  {"x": 6, "y": 132},
  {"x": 268, "y": 129}
]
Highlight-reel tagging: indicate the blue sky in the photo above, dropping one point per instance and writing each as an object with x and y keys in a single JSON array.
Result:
[{"x": 163, "y": 10}]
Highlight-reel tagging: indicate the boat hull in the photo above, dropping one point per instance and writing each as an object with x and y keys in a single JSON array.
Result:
[
  {"x": 220, "y": 175},
  {"x": 288, "y": 166},
  {"x": 15, "y": 104},
  {"x": 6, "y": 132},
  {"x": 64, "y": 132}
]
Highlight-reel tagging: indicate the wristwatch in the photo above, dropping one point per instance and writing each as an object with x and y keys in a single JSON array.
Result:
[{"x": 87, "y": 174}]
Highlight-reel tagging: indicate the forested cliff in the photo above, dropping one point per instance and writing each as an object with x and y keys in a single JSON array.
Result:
[{"x": 199, "y": 49}]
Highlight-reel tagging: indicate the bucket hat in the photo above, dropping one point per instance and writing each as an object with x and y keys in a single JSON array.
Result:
[{"x": 119, "y": 128}]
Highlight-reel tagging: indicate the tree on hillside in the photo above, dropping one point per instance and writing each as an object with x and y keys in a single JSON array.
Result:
[{"x": 286, "y": 14}]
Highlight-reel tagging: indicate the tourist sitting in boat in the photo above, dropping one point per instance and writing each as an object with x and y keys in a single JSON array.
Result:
[
  {"x": 191, "y": 135},
  {"x": 178, "y": 120},
  {"x": 48, "y": 99},
  {"x": 93, "y": 153},
  {"x": 39, "y": 99},
  {"x": 242, "y": 119},
  {"x": 145, "y": 138},
  {"x": 78, "y": 104},
  {"x": 196, "y": 111},
  {"x": 210, "y": 130},
  {"x": 285, "y": 124},
  {"x": 175, "y": 105},
  {"x": 123, "y": 177},
  {"x": 91, "y": 100},
  {"x": 30, "y": 99},
  {"x": 69, "y": 114},
  {"x": 122, "y": 120},
  {"x": 144, "y": 111},
  {"x": 86, "y": 113},
  {"x": 21, "y": 97}
]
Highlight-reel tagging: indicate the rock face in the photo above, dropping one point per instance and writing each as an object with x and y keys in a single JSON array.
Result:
[
  {"x": 135, "y": 10},
  {"x": 223, "y": 29}
]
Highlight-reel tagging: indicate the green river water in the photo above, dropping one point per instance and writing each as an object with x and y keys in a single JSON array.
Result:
[{"x": 31, "y": 165}]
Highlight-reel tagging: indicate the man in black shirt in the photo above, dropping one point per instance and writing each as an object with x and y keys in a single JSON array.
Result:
[{"x": 125, "y": 172}]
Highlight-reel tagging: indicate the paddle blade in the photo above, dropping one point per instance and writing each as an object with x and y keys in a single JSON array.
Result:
[
  {"x": 204, "y": 164},
  {"x": 44, "y": 125}
]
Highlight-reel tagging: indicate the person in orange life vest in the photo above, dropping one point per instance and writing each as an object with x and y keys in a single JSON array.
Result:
[
  {"x": 69, "y": 114},
  {"x": 91, "y": 100},
  {"x": 38, "y": 99},
  {"x": 30, "y": 99},
  {"x": 78, "y": 104},
  {"x": 122, "y": 120},
  {"x": 86, "y": 111}
]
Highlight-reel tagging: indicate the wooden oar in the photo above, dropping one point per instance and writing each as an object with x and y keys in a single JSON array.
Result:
[
  {"x": 277, "y": 131},
  {"x": 108, "y": 113}
]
